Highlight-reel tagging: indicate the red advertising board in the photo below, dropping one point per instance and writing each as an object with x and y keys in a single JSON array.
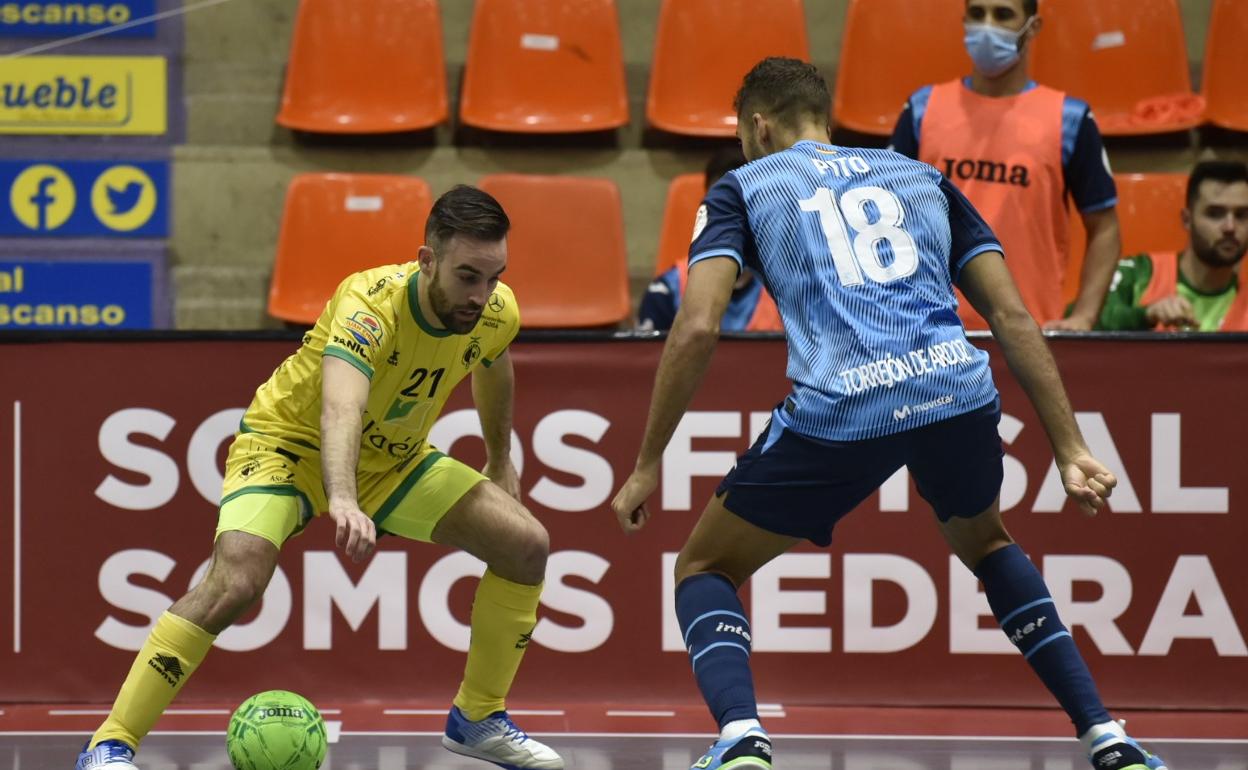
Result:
[{"x": 110, "y": 465}]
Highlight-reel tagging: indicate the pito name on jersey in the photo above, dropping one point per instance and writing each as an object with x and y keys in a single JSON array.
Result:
[
  {"x": 892, "y": 370},
  {"x": 843, "y": 167}
]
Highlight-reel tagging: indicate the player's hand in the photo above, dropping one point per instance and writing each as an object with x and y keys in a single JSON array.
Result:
[
  {"x": 630, "y": 502},
  {"x": 1071, "y": 324},
  {"x": 503, "y": 473},
  {"x": 356, "y": 534},
  {"x": 1087, "y": 482},
  {"x": 1172, "y": 312}
]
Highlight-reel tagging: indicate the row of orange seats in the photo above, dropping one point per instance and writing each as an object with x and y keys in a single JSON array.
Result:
[
  {"x": 550, "y": 66},
  {"x": 566, "y": 232}
]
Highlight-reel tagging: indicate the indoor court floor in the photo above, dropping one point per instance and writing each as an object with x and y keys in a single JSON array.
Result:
[{"x": 610, "y": 737}]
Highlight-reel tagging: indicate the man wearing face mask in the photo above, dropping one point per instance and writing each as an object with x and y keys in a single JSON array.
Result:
[
  {"x": 1016, "y": 149},
  {"x": 1198, "y": 288}
]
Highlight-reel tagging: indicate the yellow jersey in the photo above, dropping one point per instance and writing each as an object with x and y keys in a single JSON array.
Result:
[{"x": 374, "y": 322}]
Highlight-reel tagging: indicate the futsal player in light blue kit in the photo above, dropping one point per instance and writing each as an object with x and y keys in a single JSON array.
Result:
[{"x": 861, "y": 250}]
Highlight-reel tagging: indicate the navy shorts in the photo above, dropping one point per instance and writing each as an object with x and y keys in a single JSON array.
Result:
[{"x": 799, "y": 486}]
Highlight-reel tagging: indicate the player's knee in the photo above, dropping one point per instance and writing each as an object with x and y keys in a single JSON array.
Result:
[
  {"x": 239, "y": 590},
  {"x": 532, "y": 551},
  {"x": 687, "y": 566}
]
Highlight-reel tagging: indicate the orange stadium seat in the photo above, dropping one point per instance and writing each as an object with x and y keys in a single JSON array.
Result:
[
  {"x": 1226, "y": 65},
  {"x": 684, "y": 195},
  {"x": 703, "y": 49},
  {"x": 873, "y": 80},
  {"x": 356, "y": 72},
  {"x": 544, "y": 66},
  {"x": 336, "y": 224},
  {"x": 566, "y": 258},
  {"x": 1126, "y": 58},
  {"x": 1148, "y": 219}
]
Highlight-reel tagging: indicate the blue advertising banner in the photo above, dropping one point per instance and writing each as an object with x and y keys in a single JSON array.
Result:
[
  {"x": 76, "y": 295},
  {"x": 85, "y": 198},
  {"x": 25, "y": 18}
]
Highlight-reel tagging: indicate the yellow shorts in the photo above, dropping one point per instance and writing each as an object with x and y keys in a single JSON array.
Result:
[{"x": 273, "y": 489}]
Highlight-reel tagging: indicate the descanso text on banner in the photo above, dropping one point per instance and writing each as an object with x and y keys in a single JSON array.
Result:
[
  {"x": 83, "y": 95},
  {"x": 34, "y": 18},
  {"x": 121, "y": 448}
]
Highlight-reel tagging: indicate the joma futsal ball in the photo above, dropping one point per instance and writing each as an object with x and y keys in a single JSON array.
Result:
[{"x": 276, "y": 730}]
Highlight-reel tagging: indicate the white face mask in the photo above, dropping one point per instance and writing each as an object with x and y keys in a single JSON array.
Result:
[{"x": 993, "y": 49}]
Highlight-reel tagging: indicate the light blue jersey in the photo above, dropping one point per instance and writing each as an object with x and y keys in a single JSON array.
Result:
[{"x": 860, "y": 249}]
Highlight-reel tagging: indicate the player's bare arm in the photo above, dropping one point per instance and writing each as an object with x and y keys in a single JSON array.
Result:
[
  {"x": 987, "y": 284},
  {"x": 686, "y": 356},
  {"x": 344, "y": 394},
  {"x": 1103, "y": 251},
  {"x": 493, "y": 392}
]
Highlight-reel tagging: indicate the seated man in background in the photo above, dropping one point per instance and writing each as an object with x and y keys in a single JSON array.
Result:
[
  {"x": 1016, "y": 149},
  {"x": 751, "y": 307},
  {"x": 1197, "y": 288}
]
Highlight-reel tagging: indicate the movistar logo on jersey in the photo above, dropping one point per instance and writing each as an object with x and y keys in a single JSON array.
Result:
[{"x": 936, "y": 403}]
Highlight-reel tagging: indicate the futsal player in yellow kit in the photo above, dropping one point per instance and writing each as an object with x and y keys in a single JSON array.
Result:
[{"x": 341, "y": 428}]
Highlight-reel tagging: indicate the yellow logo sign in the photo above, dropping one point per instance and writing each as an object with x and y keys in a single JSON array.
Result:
[
  {"x": 42, "y": 197},
  {"x": 123, "y": 198},
  {"x": 83, "y": 95}
]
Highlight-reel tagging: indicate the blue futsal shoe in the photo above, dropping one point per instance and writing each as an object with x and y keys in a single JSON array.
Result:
[
  {"x": 107, "y": 755},
  {"x": 1124, "y": 755},
  {"x": 752, "y": 750},
  {"x": 497, "y": 739}
]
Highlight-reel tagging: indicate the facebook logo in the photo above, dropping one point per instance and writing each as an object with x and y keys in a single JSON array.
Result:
[
  {"x": 42, "y": 200},
  {"x": 43, "y": 197}
]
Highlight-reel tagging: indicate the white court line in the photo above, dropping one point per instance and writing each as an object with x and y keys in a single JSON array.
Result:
[
  {"x": 197, "y": 712},
  {"x": 17, "y": 526},
  {"x": 622, "y": 713},
  {"x": 78, "y": 712},
  {"x": 442, "y": 712},
  {"x": 330, "y": 711},
  {"x": 786, "y": 736},
  {"x": 538, "y": 712},
  {"x": 413, "y": 712},
  {"x": 332, "y": 731}
]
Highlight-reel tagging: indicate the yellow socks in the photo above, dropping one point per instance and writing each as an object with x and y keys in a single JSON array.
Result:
[
  {"x": 172, "y": 652},
  {"x": 503, "y": 617}
]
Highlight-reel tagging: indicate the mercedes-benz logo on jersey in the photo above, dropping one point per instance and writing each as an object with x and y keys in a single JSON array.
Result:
[{"x": 496, "y": 303}]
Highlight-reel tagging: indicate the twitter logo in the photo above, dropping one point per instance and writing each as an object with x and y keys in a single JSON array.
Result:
[{"x": 124, "y": 198}]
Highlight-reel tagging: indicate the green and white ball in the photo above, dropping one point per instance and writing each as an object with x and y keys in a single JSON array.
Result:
[{"x": 276, "y": 730}]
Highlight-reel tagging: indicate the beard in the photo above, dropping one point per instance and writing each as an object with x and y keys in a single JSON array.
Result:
[
  {"x": 453, "y": 317},
  {"x": 1215, "y": 254}
]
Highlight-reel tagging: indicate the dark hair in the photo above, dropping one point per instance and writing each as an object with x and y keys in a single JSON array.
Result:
[
  {"x": 785, "y": 89},
  {"x": 724, "y": 160},
  {"x": 1227, "y": 171},
  {"x": 465, "y": 210},
  {"x": 1030, "y": 7}
]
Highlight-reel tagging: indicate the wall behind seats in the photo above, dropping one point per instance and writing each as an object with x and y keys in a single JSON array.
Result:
[{"x": 231, "y": 175}]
